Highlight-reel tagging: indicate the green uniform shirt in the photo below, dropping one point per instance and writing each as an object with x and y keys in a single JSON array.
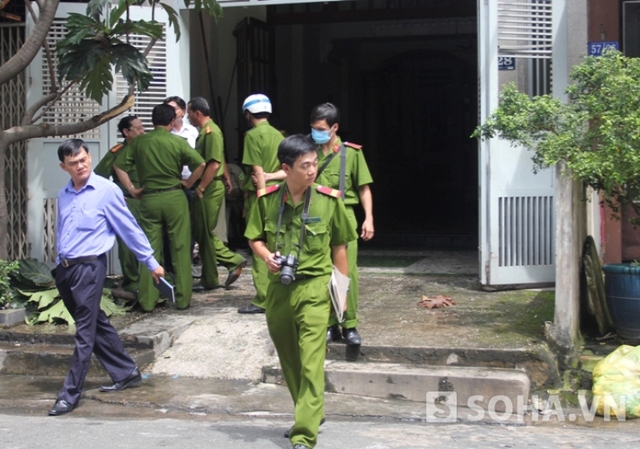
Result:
[
  {"x": 261, "y": 148},
  {"x": 356, "y": 173},
  {"x": 158, "y": 156},
  {"x": 105, "y": 167},
  {"x": 210, "y": 145},
  {"x": 327, "y": 226}
]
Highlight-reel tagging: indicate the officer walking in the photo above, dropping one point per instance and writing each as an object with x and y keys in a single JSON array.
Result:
[
  {"x": 342, "y": 166},
  {"x": 130, "y": 127},
  {"x": 208, "y": 198},
  {"x": 91, "y": 210},
  {"x": 308, "y": 225},
  {"x": 260, "y": 156},
  {"x": 159, "y": 157}
]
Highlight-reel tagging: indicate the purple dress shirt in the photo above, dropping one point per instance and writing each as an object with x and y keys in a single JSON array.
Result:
[{"x": 89, "y": 219}]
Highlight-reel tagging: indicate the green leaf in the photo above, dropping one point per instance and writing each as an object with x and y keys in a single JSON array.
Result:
[
  {"x": 133, "y": 65},
  {"x": 56, "y": 313},
  {"x": 32, "y": 275},
  {"x": 173, "y": 19},
  {"x": 95, "y": 7},
  {"x": 44, "y": 298}
]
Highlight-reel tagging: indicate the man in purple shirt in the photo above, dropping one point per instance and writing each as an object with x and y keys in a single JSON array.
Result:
[{"x": 91, "y": 211}]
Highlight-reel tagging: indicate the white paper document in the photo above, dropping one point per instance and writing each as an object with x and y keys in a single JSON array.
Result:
[{"x": 338, "y": 288}]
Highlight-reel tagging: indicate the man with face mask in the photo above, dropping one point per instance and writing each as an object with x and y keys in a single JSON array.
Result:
[
  {"x": 342, "y": 166},
  {"x": 260, "y": 156}
]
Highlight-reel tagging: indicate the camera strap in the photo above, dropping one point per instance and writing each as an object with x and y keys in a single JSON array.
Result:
[
  {"x": 343, "y": 167},
  {"x": 305, "y": 216}
]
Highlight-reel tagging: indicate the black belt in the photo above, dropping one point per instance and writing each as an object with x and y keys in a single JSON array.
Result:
[
  {"x": 302, "y": 277},
  {"x": 147, "y": 192},
  {"x": 69, "y": 262}
]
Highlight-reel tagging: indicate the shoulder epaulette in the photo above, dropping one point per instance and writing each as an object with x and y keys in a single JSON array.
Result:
[
  {"x": 207, "y": 130},
  {"x": 355, "y": 146},
  {"x": 329, "y": 191},
  {"x": 267, "y": 190},
  {"x": 116, "y": 148}
]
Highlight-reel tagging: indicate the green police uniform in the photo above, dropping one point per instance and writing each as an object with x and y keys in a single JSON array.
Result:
[
  {"x": 356, "y": 175},
  {"x": 159, "y": 157},
  {"x": 128, "y": 261},
  {"x": 260, "y": 148},
  {"x": 205, "y": 210},
  {"x": 297, "y": 313}
]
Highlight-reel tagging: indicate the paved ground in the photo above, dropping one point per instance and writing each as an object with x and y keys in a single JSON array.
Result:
[{"x": 205, "y": 387}]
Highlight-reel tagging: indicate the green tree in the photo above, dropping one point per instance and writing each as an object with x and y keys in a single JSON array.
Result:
[
  {"x": 596, "y": 133},
  {"x": 96, "y": 45}
]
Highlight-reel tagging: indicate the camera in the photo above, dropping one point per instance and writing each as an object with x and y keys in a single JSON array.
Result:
[{"x": 288, "y": 267}]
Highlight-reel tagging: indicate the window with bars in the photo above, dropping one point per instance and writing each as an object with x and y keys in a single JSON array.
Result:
[
  {"x": 157, "y": 91},
  {"x": 525, "y": 33},
  {"x": 74, "y": 106}
]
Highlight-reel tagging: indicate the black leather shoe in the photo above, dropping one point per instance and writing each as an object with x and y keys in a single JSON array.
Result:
[
  {"x": 199, "y": 288},
  {"x": 288, "y": 432},
  {"x": 234, "y": 274},
  {"x": 251, "y": 308},
  {"x": 132, "y": 380},
  {"x": 333, "y": 334},
  {"x": 352, "y": 336},
  {"x": 61, "y": 407}
]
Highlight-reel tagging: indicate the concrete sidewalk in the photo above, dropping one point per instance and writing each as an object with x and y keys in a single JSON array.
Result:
[{"x": 210, "y": 359}]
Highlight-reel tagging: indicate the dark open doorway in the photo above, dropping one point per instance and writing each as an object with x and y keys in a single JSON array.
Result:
[{"x": 408, "y": 91}]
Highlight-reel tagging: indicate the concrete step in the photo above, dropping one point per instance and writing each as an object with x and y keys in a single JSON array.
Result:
[
  {"x": 49, "y": 354},
  {"x": 488, "y": 388},
  {"x": 54, "y": 360},
  {"x": 538, "y": 361}
]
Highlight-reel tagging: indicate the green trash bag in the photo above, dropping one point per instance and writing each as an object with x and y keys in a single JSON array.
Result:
[{"x": 616, "y": 383}]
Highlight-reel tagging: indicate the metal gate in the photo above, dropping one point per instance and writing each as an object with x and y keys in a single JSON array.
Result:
[
  {"x": 12, "y": 108},
  {"x": 253, "y": 62}
]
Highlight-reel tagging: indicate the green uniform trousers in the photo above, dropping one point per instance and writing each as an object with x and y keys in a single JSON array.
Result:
[
  {"x": 204, "y": 218},
  {"x": 259, "y": 269},
  {"x": 350, "y": 316},
  {"x": 128, "y": 261},
  {"x": 297, "y": 317},
  {"x": 167, "y": 211}
]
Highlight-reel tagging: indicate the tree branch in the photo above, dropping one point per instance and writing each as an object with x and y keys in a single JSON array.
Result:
[
  {"x": 58, "y": 95},
  {"x": 19, "y": 133},
  {"x": 47, "y": 49},
  {"x": 27, "y": 119},
  {"x": 21, "y": 60}
]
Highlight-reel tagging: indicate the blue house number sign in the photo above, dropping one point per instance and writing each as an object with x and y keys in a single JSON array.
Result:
[
  {"x": 506, "y": 63},
  {"x": 596, "y": 48}
]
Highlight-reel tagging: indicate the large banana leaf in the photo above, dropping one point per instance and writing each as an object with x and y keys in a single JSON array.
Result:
[{"x": 32, "y": 275}]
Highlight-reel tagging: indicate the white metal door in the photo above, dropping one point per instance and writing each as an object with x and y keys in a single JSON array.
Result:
[{"x": 516, "y": 205}]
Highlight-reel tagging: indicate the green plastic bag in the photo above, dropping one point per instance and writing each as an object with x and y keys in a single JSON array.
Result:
[{"x": 616, "y": 383}]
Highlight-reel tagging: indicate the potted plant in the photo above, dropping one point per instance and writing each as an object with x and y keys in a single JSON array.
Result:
[
  {"x": 11, "y": 312},
  {"x": 595, "y": 135}
]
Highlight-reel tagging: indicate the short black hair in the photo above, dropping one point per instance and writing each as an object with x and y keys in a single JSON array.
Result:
[
  {"x": 177, "y": 100},
  {"x": 259, "y": 114},
  {"x": 326, "y": 111},
  {"x": 294, "y": 146},
  {"x": 125, "y": 123},
  {"x": 71, "y": 147},
  {"x": 200, "y": 104},
  {"x": 162, "y": 115}
]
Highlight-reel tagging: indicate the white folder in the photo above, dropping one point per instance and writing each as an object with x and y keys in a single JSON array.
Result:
[{"x": 339, "y": 288}]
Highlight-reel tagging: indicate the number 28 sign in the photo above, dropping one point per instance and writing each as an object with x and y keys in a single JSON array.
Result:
[{"x": 506, "y": 63}]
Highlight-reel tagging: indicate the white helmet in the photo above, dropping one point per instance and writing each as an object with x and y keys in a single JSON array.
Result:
[{"x": 256, "y": 104}]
